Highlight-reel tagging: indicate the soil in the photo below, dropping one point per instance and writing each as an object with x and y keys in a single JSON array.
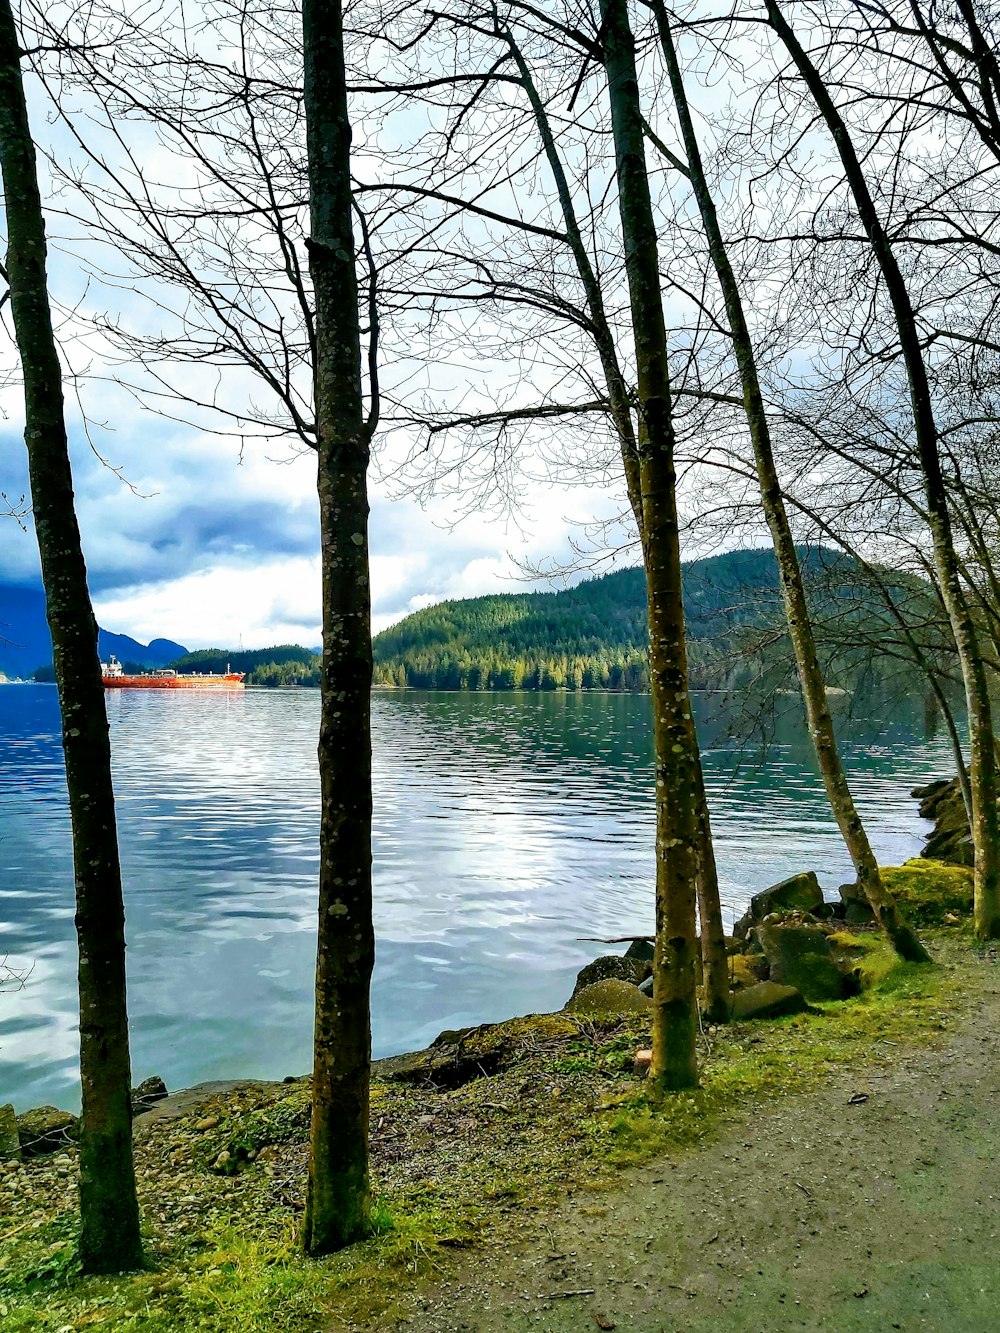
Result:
[{"x": 869, "y": 1203}]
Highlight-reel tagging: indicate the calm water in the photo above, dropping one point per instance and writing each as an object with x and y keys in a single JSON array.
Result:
[{"x": 506, "y": 827}]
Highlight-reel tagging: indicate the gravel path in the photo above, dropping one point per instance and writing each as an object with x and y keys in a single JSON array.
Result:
[{"x": 871, "y": 1203}]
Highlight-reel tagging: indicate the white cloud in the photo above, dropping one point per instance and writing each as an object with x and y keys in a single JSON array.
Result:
[{"x": 272, "y": 602}]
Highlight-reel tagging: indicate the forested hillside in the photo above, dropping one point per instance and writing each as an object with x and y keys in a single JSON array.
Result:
[
  {"x": 593, "y": 636},
  {"x": 286, "y": 664}
]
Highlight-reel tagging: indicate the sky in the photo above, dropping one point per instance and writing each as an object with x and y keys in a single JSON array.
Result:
[
  {"x": 190, "y": 537},
  {"x": 187, "y": 535},
  {"x": 191, "y": 540}
]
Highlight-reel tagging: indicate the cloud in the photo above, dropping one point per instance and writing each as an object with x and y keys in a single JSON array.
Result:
[
  {"x": 209, "y": 545},
  {"x": 275, "y": 601}
]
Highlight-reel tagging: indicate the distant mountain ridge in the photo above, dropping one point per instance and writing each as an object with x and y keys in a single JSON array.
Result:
[
  {"x": 594, "y": 635},
  {"x": 26, "y": 645}
]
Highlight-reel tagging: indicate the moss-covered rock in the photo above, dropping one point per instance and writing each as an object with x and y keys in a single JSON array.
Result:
[
  {"x": 951, "y": 838},
  {"x": 798, "y": 893},
  {"x": 746, "y": 969},
  {"x": 767, "y": 999},
  {"x": 856, "y": 909},
  {"x": 10, "y": 1141},
  {"x": 928, "y": 891},
  {"x": 45, "y": 1130},
  {"x": 456, "y": 1057},
  {"x": 801, "y": 956},
  {"x": 612, "y": 967},
  {"x": 606, "y": 999}
]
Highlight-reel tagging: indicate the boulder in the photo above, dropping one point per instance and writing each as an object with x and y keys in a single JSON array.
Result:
[
  {"x": 456, "y": 1057},
  {"x": 856, "y": 908},
  {"x": 951, "y": 838},
  {"x": 766, "y": 1000},
  {"x": 646, "y": 987},
  {"x": 641, "y": 949},
  {"x": 10, "y": 1141},
  {"x": 607, "y": 999},
  {"x": 746, "y": 969},
  {"x": 148, "y": 1093},
  {"x": 928, "y": 891},
  {"x": 931, "y": 795},
  {"x": 612, "y": 967},
  {"x": 798, "y": 893},
  {"x": 45, "y": 1130},
  {"x": 801, "y": 956}
]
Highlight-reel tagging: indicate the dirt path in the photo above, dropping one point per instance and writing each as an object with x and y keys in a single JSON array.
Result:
[{"x": 822, "y": 1211}]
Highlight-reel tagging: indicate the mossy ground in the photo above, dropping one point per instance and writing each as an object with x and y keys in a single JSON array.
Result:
[{"x": 456, "y": 1169}]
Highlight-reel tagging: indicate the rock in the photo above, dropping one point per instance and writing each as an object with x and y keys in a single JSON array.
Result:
[
  {"x": 951, "y": 838},
  {"x": 206, "y": 1122},
  {"x": 767, "y": 999},
  {"x": 643, "y": 1059},
  {"x": 147, "y": 1094},
  {"x": 457, "y": 1057},
  {"x": 929, "y": 794},
  {"x": 10, "y": 1142},
  {"x": 189, "y": 1101},
  {"x": 641, "y": 949},
  {"x": 606, "y": 999},
  {"x": 856, "y": 908},
  {"x": 612, "y": 967},
  {"x": 646, "y": 987},
  {"x": 797, "y": 893},
  {"x": 928, "y": 891},
  {"x": 746, "y": 969},
  {"x": 45, "y": 1130},
  {"x": 801, "y": 956}
]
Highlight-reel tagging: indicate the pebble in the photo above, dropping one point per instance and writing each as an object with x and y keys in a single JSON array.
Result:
[{"x": 207, "y": 1122}]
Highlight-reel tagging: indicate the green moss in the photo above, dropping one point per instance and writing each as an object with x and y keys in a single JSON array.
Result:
[
  {"x": 929, "y": 891},
  {"x": 746, "y": 970},
  {"x": 520, "y": 1034}
]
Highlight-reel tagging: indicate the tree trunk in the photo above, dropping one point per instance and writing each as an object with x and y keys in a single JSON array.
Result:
[
  {"x": 337, "y": 1200},
  {"x": 983, "y": 774},
  {"x": 675, "y": 1016},
  {"x": 713, "y": 946},
  {"x": 714, "y": 959},
  {"x": 109, "y": 1213},
  {"x": 813, "y": 685}
]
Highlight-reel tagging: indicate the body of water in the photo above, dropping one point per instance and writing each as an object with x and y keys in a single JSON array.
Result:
[{"x": 507, "y": 826}]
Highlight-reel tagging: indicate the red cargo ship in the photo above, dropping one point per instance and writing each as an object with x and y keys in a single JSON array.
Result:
[{"x": 115, "y": 679}]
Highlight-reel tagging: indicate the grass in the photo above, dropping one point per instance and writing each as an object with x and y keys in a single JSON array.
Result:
[{"x": 453, "y": 1169}]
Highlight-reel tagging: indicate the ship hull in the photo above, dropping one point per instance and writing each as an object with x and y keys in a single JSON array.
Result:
[{"x": 230, "y": 682}]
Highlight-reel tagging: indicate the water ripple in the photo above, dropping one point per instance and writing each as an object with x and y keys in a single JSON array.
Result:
[{"x": 506, "y": 827}]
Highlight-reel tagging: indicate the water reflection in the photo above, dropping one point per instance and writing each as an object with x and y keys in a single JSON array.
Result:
[{"x": 506, "y": 827}]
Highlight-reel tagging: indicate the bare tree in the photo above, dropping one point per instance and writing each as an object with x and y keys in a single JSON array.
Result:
[
  {"x": 797, "y": 614},
  {"x": 337, "y": 1201},
  {"x": 986, "y": 829},
  {"x": 109, "y": 1212}
]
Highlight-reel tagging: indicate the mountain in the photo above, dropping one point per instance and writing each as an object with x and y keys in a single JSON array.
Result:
[
  {"x": 26, "y": 645},
  {"x": 594, "y": 634}
]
